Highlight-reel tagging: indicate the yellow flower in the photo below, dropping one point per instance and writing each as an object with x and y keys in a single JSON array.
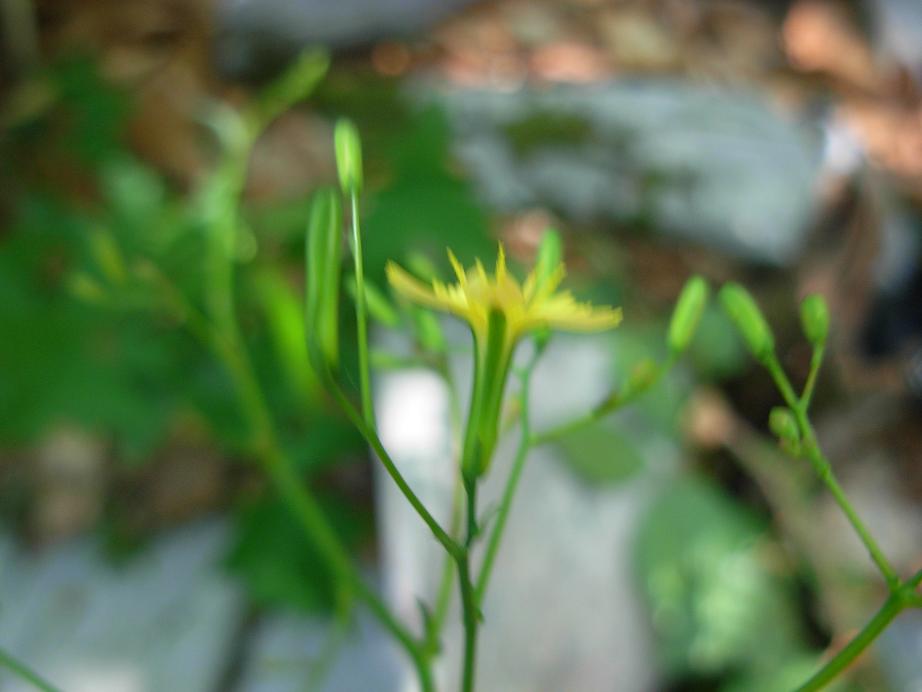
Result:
[
  {"x": 525, "y": 307},
  {"x": 500, "y": 312}
]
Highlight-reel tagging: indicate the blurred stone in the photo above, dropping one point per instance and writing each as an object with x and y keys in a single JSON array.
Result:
[
  {"x": 285, "y": 648},
  {"x": 256, "y": 34},
  {"x": 161, "y": 622},
  {"x": 698, "y": 163}
]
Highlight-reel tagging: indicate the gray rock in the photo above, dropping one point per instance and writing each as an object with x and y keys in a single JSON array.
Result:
[
  {"x": 162, "y": 622},
  {"x": 712, "y": 165},
  {"x": 255, "y": 32}
]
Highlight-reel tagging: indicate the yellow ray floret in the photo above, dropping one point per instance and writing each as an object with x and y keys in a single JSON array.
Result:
[{"x": 526, "y": 307}]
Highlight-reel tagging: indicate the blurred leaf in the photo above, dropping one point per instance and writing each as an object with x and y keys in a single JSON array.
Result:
[
  {"x": 714, "y": 606},
  {"x": 284, "y": 314},
  {"x": 600, "y": 455},
  {"x": 275, "y": 561},
  {"x": 658, "y": 409},
  {"x": 789, "y": 675},
  {"x": 425, "y": 206}
]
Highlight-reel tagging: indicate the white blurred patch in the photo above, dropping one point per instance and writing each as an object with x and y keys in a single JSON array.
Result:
[{"x": 413, "y": 416}]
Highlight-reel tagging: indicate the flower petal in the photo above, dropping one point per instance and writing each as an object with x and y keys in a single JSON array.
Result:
[{"x": 415, "y": 290}]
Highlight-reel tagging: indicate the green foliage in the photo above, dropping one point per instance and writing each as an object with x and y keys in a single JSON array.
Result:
[
  {"x": 716, "y": 608},
  {"x": 601, "y": 455},
  {"x": 277, "y": 564},
  {"x": 425, "y": 205}
]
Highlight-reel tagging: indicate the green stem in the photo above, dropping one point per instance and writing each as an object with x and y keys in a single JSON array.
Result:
[
  {"x": 360, "y": 315},
  {"x": 471, "y": 613},
  {"x": 915, "y": 580},
  {"x": 469, "y": 606},
  {"x": 607, "y": 407},
  {"x": 824, "y": 470},
  {"x": 512, "y": 484},
  {"x": 224, "y": 338},
  {"x": 816, "y": 362},
  {"x": 891, "y": 608},
  {"x": 443, "y": 596},
  {"x": 307, "y": 510},
  {"x": 377, "y": 446},
  {"x": 25, "y": 673}
]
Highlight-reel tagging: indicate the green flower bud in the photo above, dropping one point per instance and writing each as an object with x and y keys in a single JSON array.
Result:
[
  {"x": 323, "y": 262},
  {"x": 814, "y": 318},
  {"x": 550, "y": 255},
  {"x": 783, "y": 424},
  {"x": 687, "y": 314},
  {"x": 745, "y": 314},
  {"x": 348, "y": 147}
]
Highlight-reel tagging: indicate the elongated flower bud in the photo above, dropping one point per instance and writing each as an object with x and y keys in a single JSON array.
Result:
[
  {"x": 814, "y": 318},
  {"x": 324, "y": 250},
  {"x": 746, "y": 316},
  {"x": 348, "y": 147},
  {"x": 687, "y": 314}
]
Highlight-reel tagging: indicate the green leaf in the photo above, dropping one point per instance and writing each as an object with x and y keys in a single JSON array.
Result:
[
  {"x": 276, "y": 563},
  {"x": 600, "y": 455},
  {"x": 426, "y": 206},
  {"x": 714, "y": 606}
]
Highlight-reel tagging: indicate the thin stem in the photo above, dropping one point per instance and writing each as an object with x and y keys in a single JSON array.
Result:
[
  {"x": 471, "y": 613},
  {"x": 360, "y": 316},
  {"x": 372, "y": 438},
  {"x": 443, "y": 596},
  {"x": 512, "y": 484},
  {"x": 224, "y": 338},
  {"x": 607, "y": 407},
  {"x": 891, "y": 608},
  {"x": 816, "y": 362},
  {"x": 306, "y": 508},
  {"x": 471, "y": 617},
  {"x": 915, "y": 580},
  {"x": 823, "y": 468},
  {"x": 25, "y": 673}
]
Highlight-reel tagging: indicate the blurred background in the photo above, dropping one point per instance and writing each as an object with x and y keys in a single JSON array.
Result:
[{"x": 675, "y": 548}]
